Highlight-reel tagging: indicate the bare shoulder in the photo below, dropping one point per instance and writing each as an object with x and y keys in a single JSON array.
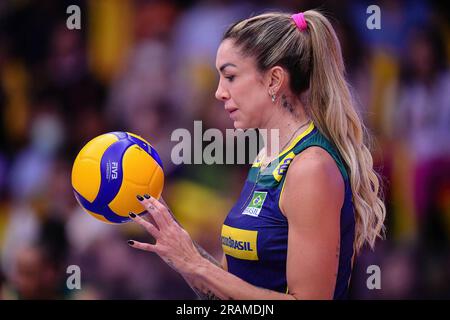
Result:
[
  {"x": 314, "y": 162},
  {"x": 313, "y": 179}
]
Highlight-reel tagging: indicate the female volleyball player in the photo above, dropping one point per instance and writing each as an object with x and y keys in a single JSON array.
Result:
[{"x": 293, "y": 233}]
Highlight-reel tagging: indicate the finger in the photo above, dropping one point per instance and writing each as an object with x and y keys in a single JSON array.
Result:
[
  {"x": 157, "y": 209},
  {"x": 142, "y": 246},
  {"x": 148, "y": 217},
  {"x": 164, "y": 211},
  {"x": 161, "y": 200},
  {"x": 160, "y": 221},
  {"x": 147, "y": 225}
]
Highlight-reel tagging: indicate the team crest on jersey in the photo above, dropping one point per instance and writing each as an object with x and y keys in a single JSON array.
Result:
[{"x": 254, "y": 207}]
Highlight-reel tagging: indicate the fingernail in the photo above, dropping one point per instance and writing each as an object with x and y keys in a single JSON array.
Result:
[
  {"x": 132, "y": 215},
  {"x": 130, "y": 242},
  {"x": 146, "y": 196},
  {"x": 139, "y": 198}
]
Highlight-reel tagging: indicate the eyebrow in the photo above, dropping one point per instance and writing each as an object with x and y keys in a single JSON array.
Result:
[{"x": 227, "y": 65}]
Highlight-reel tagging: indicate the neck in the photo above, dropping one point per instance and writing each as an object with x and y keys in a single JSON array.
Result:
[{"x": 282, "y": 128}]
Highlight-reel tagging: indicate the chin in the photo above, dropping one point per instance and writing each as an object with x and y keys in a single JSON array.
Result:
[
  {"x": 240, "y": 125},
  {"x": 243, "y": 124}
]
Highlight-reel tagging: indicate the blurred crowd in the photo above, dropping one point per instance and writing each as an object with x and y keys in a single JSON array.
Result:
[{"x": 148, "y": 67}]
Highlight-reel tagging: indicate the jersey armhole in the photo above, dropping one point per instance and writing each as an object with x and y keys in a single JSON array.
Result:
[
  {"x": 281, "y": 193},
  {"x": 343, "y": 174}
]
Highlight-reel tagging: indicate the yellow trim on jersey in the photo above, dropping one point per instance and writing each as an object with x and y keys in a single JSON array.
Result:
[
  {"x": 257, "y": 162},
  {"x": 285, "y": 161},
  {"x": 281, "y": 193},
  {"x": 310, "y": 128},
  {"x": 296, "y": 140}
]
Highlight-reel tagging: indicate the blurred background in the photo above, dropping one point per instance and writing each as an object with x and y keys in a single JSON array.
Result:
[{"x": 148, "y": 67}]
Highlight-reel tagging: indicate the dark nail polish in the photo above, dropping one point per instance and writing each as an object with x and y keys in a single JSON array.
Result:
[
  {"x": 132, "y": 215},
  {"x": 139, "y": 198},
  {"x": 130, "y": 242},
  {"x": 146, "y": 196}
]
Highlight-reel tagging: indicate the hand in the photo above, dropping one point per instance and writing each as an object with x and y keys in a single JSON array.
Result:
[{"x": 173, "y": 243}]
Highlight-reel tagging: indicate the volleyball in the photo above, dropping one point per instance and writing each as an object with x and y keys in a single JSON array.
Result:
[{"x": 110, "y": 170}]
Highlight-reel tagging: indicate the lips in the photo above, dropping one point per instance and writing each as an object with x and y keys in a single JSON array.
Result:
[{"x": 230, "y": 109}]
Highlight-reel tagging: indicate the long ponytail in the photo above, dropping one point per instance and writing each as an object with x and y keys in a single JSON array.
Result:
[
  {"x": 313, "y": 58},
  {"x": 332, "y": 110}
]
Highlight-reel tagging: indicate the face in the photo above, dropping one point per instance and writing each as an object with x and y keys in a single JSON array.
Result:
[{"x": 241, "y": 87}]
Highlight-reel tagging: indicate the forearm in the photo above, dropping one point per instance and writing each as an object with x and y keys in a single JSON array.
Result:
[
  {"x": 212, "y": 280},
  {"x": 207, "y": 294},
  {"x": 204, "y": 254}
]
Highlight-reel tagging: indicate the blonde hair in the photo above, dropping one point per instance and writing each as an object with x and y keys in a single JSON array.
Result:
[{"x": 315, "y": 65}]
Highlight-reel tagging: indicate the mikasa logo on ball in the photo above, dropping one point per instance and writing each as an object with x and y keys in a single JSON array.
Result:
[{"x": 111, "y": 170}]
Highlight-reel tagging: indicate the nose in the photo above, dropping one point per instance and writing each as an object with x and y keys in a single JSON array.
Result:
[{"x": 222, "y": 94}]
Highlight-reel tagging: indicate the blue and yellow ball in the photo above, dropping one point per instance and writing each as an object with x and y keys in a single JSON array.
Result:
[{"x": 111, "y": 170}]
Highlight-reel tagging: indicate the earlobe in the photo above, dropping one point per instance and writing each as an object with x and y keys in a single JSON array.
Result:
[{"x": 276, "y": 79}]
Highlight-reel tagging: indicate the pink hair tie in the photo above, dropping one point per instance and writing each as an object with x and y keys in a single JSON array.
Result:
[{"x": 300, "y": 21}]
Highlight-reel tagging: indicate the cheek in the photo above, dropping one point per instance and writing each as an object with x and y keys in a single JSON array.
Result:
[
  {"x": 252, "y": 107},
  {"x": 249, "y": 96},
  {"x": 255, "y": 101}
]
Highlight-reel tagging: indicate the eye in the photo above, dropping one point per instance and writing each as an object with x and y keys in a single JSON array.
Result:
[{"x": 230, "y": 78}]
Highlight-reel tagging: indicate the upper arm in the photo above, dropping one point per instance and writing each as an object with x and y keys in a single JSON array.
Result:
[{"x": 312, "y": 199}]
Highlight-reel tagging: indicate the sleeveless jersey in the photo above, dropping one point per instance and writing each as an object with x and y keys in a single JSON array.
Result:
[{"x": 255, "y": 232}]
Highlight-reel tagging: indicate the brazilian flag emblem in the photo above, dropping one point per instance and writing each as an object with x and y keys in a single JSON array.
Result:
[{"x": 256, "y": 203}]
